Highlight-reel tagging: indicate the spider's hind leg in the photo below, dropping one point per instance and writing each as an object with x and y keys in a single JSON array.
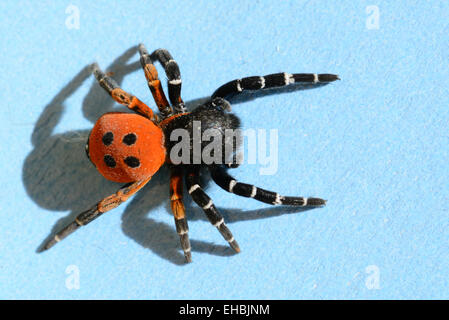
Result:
[
  {"x": 225, "y": 181},
  {"x": 205, "y": 202}
]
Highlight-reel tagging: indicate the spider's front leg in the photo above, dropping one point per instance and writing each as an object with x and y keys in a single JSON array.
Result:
[
  {"x": 121, "y": 96},
  {"x": 205, "y": 202},
  {"x": 101, "y": 207},
  {"x": 174, "y": 78},
  {"x": 154, "y": 83},
  {"x": 177, "y": 207}
]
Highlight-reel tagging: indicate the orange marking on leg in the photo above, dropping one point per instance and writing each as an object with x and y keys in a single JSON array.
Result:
[
  {"x": 121, "y": 96},
  {"x": 109, "y": 203},
  {"x": 150, "y": 73},
  {"x": 178, "y": 209},
  {"x": 142, "y": 108},
  {"x": 158, "y": 94},
  {"x": 155, "y": 86},
  {"x": 175, "y": 187},
  {"x": 168, "y": 120},
  {"x": 120, "y": 196},
  {"x": 176, "y": 203}
]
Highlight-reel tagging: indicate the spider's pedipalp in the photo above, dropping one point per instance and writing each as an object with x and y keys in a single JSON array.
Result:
[
  {"x": 205, "y": 202},
  {"x": 228, "y": 183},
  {"x": 275, "y": 80},
  {"x": 97, "y": 210}
]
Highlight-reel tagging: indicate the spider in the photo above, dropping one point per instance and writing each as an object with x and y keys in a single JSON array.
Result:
[{"x": 131, "y": 147}]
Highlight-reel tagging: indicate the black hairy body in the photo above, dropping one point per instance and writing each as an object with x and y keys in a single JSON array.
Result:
[{"x": 212, "y": 120}]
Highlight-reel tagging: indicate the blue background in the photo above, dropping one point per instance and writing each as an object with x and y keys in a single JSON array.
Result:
[{"x": 375, "y": 144}]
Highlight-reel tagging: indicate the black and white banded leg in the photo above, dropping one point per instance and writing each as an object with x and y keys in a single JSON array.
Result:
[
  {"x": 225, "y": 181},
  {"x": 205, "y": 202},
  {"x": 271, "y": 81},
  {"x": 174, "y": 78}
]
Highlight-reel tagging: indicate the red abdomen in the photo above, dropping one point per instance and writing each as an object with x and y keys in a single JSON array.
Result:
[{"x": 126, "y": 147}]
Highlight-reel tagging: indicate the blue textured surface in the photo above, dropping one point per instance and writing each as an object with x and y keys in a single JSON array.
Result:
[{"x": 374, "y": 144}]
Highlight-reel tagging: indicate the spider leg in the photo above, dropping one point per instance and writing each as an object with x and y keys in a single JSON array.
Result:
[
  {"x": 202, "y": 199},
  {"x": 178, "y": 210},
  {"x": 225, "y": 181},
  {"x": 97, "y": 210},
  {"x": 154, "y": 83},
  {"x": 174, "y": 78},
  {"x": 121, "y": 96},
  {"x": 235, "y": 163},
  {"x": 270, "y": 81}
]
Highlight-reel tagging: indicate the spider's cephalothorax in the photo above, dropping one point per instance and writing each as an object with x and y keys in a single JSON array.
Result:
[
  {"x": 131, "y": 147},
  {"x": 213, "y": 119}
]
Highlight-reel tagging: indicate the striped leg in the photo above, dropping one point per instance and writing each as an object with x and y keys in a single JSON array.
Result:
[
  {"x": 270, "y": 81},
  {"x": 154, "y": 83},
  {"x": 202, "y": 199},
  {"x": 228, "y": 183},
  {"x": 97, "y": 210},
  {"x": 121, "y": 96},
  {"x": 178, "y": 210},
  {"x": 174, "y": 78}
]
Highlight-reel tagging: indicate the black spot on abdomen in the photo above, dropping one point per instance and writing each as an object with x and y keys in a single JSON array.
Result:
[
  {"x": 107, "y": 139},
  {"x": 132, "y": 162},
  {"x": 110, "y": 161},
  {"x": 130, "y": 139}
]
